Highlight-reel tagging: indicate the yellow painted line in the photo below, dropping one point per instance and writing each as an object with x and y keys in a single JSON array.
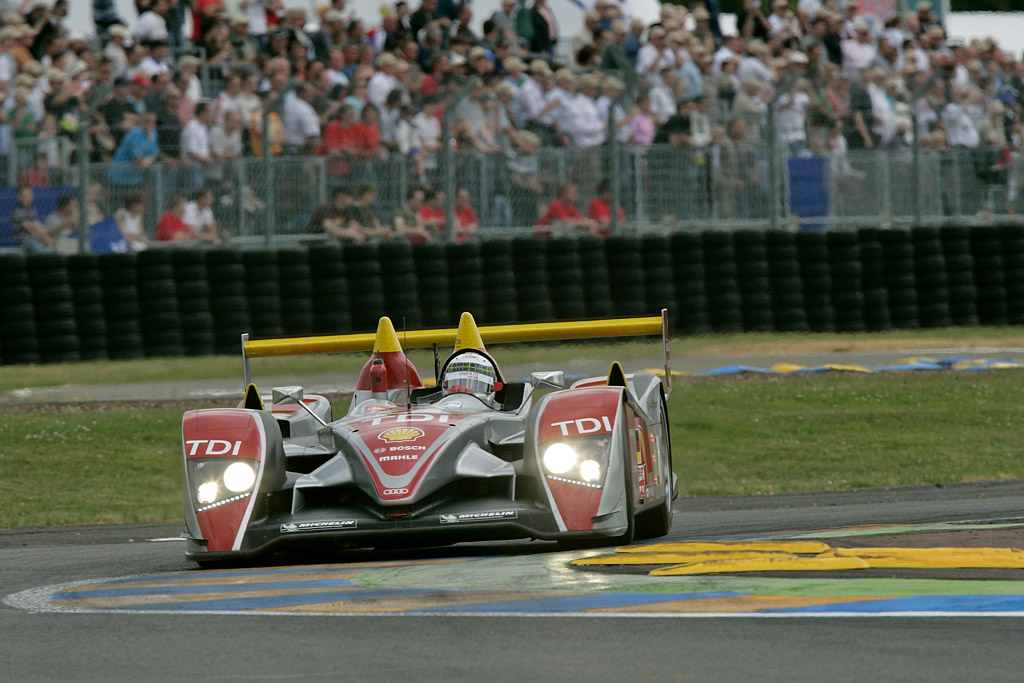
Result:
[
  {"x": 947, "y": 562},
  {"x": 491, "y": 334},
  {"x": 795, "y": 547},
  {"x": 930, "y": 552},
  {"x": 674, "y": 558},
  {"x": 796, "y": 564},
  {"x": 660, "y": 372},
  {"x": 786, "y": 367}
]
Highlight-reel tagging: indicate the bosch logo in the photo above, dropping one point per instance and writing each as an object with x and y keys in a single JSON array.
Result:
[{"x": 394, "y": 492}]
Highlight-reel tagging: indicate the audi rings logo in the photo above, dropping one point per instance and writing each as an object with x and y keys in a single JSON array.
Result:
[{"x": 394, "y": 492}]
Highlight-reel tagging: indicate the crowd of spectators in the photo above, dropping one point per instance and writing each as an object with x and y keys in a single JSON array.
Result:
[{"x": 356, "y": 90}]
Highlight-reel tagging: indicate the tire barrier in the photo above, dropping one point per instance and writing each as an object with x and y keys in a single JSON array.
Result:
[
  {"x": 872, "y": 280},
  {"x": 401, "y": 286},
  {"x": 565, "y": 278},
  {"x": 54, "y": 309},
  {"x": 119, "y": 279},
  {"x": 845, "y": 269},
  {"x": 931, "y": 278},
  {"x": 900, "y": 282},
  {"x": 191, "y": 281},
  {"x": 196, "y": 302},
  {"x": 365, "y": 284},
  {"x": 752, "y": 279},
  {"x": 229, "y": 306},
  {"x": 626, "y": 274},
  {"x": 963, "y": 293},
  {"x": 87, "y": 296},
  {"x": 721, "y": 282},
  {"x": 987, "y": 250},
  {"x": 159, "y": 315},
  {"x": 659, "y": 280},
  {"x": 295, "y": 281},
  {"x": 500, "y": 278},
  {"x": 533, "y": 291},
  {"x": 597, "y": 287},
  {"x": 812, "y": 255},
  {"x": 787, "y": 290},
  {"x": 435, "y": 293},
  {"x": 332, "y": 312},
  {"x": 19, "y": 341},
  {"x": 1012, "y": 239},
  {"x": 688, "y": 276}
]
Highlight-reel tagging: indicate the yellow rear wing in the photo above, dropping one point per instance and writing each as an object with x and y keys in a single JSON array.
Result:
[{"x": 490, "y": 334}]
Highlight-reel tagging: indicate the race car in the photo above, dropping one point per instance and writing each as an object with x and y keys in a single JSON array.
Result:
[{"x": 472, "y": 455}]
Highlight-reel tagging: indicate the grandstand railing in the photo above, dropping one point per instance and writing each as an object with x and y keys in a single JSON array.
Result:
[{"x": 661, "y": 187}]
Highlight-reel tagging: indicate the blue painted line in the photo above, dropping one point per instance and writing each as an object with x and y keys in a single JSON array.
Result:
[
  {"x": 923, "y": 603},
  {"x": 577, "y": 603},
  {"x": 270, "y": 601},
  {"x": 201, "y": 588}
]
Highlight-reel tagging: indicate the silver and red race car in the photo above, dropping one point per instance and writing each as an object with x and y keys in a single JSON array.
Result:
[{"x": 473, "y": 456}]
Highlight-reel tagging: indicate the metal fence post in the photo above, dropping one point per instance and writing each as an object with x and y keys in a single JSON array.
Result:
[
  {"x": 773, "y": 162},
  {"x": 916, "y": 166},
  {"x": 239, "y": 166},
  {"x": 448, "y": 158}
]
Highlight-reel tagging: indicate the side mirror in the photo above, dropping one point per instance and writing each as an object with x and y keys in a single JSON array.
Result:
[
  {"x": 554, "y": 379},
  {"x": 283, "y": 395}
]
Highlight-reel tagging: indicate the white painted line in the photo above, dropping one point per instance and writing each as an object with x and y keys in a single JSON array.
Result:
[{"x": 165, "y": 539}]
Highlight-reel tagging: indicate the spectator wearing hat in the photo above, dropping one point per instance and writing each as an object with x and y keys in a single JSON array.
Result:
[
  {"x": 588, "y": 129},
  {"x": 115, "y": 48},
  {"x": 189, "y": 65},
  {"x": 384, "y": 81},
  {"x": 532, "y": 105},
  {"x": 105, "y": 17},
  {"x": 859, "y": 51},
  {"x": 558, "y": 104},
  {"x": 756, "y": 64},
  {"x": 611, "y": 89},
  {"x": 244, "y": 48}
]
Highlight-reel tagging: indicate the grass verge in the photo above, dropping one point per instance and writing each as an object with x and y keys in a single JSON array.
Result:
[
  {"x": 737, "y": 435},
  {"x": 208, "y": 367}
]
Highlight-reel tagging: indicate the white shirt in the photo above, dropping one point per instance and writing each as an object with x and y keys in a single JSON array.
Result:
[
  {"x": 150, "y": 26},
  {"x": 752, "y": 67},
  {"x": 199, "y": 219},
  {"x": 560, "y": 112},
  {"x": 8, "y": 68},
  {"x": 588, "y": 130},
  {"x": 226, "y": 144},
  {"x": 256, "y": 12},
  {"x": 650, "y": 61},
  {"x": 857, "y": 55},
  {"x": 791, "y": 116},
  {"x": 531, "y": 100},
  {"x": 300, "y": 120},
  {"x": 151, "y": 67},
  {"x": 663, "y": 104},
  {"x": 337, "y": 78},
  {"x": 195, "y": 140},
  {"x": 379, "y": 86},
  {"x": 960, "y": 130}
]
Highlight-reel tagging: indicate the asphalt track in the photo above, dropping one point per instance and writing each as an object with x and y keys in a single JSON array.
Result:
[
  {"x": 120, "y": 603},
  {"x": 38, "y": 568}
]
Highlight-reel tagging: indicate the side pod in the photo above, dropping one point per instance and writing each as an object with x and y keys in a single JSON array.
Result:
[{"x": 230, "y": 456}]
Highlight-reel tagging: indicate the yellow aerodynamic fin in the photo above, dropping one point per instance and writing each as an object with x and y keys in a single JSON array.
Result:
[
  {"x": 616, "y": 377},
  {"x": 468, "y": 336},
  {"x": 386, "y": 340},
  {"x": 252, "y": 398}
]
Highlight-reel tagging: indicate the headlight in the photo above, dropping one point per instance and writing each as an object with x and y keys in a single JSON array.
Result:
[
  {"x": 590, "y": 470},
  {"x": 559, "y": 458},
  {"x": 207, "y": 492},
  {"x": 239, "y": 476}
]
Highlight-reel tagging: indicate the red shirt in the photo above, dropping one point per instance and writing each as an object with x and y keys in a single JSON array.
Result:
[
  {"x": 170, "y": 225},
  {"x": 600, "y": 210},
  {"x": 34, "y": 177},
  {"x": 557, "y": 211},
  {"x": 197, "y": 16},
  {"x": 465, "y": 216},
  {"x": 367, "y": 138}
]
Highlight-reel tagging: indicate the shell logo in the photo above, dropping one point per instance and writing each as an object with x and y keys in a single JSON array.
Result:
[{"x": 401, "y": 434}]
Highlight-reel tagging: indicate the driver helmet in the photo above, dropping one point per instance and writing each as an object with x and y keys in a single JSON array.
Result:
[{"x": 469, "y": 373}]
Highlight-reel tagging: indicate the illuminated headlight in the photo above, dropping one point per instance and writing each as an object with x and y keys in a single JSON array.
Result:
[
  {"x": 207, "y": 492},
  {"x": 559, "y": 458},
  {"x": 590, "y": 470},
  {"x": 239, "y": 476}
]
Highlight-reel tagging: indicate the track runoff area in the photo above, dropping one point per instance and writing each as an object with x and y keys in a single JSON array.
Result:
[{"x": 866, "y": 571}]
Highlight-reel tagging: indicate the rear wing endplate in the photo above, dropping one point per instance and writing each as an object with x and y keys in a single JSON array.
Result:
[{"x": 490, "y": 334}]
